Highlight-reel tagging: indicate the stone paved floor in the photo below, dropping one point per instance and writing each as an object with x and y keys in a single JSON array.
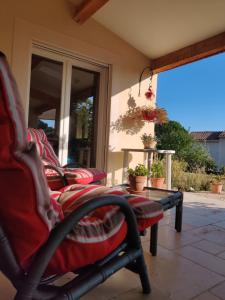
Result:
[{"x": 189, "y": 266}]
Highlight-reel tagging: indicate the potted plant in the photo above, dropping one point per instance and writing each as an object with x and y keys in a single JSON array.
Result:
[
  {"x": 217, "y": 184},
  {"x": 157, "y": 172},
  {"x": 137, "y": 177},
  {"x": 148, "y": 140}
]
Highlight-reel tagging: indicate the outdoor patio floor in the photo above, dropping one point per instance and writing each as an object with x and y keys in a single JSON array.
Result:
[{"x": 189, "y": 265}]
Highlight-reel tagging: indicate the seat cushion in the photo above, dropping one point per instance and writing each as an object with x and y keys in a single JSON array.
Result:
[
  {"x": 83, "y": 175},
  {"x": 96, "y": 235},
  {"x": 73, "y": 176}
]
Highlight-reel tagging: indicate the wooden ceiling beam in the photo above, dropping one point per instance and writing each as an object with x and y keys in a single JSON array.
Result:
[
  {"x": 202, "y": 49},
  {"x": 87, "y": 9}
]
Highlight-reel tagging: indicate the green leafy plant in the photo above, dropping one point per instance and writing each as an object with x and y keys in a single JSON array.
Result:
[
  {"x": 139, "y": 170},
  {"x": 147, "y": 138},
  {"x": 157, "y": 169},
  {"x": 218, "y": 179}
]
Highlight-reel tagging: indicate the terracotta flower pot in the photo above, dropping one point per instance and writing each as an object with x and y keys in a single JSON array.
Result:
[
  {"x": 216, "y": 188},
  {"x": 149, "y": 145},
  {"x": 157, "y": 182},
  {"x": 139, "y": 183}
]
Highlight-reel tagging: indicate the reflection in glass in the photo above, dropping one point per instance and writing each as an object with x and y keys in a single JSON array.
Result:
[
  {"x": 45, "y": 97},
  {"x": 83, "y": 116}
]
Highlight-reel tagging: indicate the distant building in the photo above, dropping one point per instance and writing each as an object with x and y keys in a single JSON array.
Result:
[{"x": 214, "y": 141}]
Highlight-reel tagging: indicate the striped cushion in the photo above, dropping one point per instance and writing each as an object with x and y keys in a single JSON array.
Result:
[
  {"x": 79, "y": 175},
  {"x": 103, "y": 228},
  {"x": 73, "y": 175},
  {"x": 147, "y": 211},
  {"x": 44, "y": 148},
  {"x": 25, "y": 204},
  {"x": 84, "y": 175}
]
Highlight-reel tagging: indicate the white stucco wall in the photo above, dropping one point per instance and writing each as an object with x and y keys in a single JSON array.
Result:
[
  {"x": 217, "y": 150},
  {"x": 51, "y": 22}
]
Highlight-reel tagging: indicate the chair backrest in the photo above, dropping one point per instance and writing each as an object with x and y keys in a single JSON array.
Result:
[
  {"x": 44, "y": 148},
  {"x": 26, "y": 212}
]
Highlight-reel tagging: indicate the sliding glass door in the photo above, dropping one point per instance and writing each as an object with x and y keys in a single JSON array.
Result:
[
  {"x": 83, "y": 117},
  {"x": 67, "y": 100}
]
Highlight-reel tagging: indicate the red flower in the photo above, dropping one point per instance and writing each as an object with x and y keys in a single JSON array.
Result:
[
  {"x": 149, "y": 94},
  {"x": 149, "y": 115}
]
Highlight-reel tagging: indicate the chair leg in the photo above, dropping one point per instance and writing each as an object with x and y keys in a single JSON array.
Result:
[{"x": 143, "y": 273}]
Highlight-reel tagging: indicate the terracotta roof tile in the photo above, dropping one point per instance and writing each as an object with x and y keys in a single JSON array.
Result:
[{"x": 207, "y": 135}]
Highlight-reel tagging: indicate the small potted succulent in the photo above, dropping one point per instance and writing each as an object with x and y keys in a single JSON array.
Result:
[
  {"x": 148, "y": 140},
  {"x": 217, "y": 183},
  {"x": 157, "y": 174},
  {"x": 137, "y": 177}
]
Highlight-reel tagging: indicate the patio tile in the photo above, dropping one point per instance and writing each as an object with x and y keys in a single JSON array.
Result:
[
  {"x": 197, "y": 220},
  {"x": 206, "y": 296},
  {"x": 170, "y": 239},
  {"x": 135, "y": 294},
  {"x": 209, "y": 247},
  {"x": 221, "y": 224},
  {"x": 217, "y": 236},
  {"x": 179, "y": 276},
  {"x": 204, "y": 259},
  {"x": 222, "y": 255},
  {"x": 219, "y": 290}
]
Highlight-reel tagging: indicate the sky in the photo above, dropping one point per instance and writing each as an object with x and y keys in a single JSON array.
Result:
[{"x": 194, "y": 94}]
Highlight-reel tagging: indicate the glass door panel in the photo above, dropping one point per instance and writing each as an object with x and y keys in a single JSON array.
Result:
[
  {"x": 45, "y": 97},
  {"x": 83, "y": 117}
]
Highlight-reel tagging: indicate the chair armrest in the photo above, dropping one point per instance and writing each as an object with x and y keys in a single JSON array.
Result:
[
  {"x": 73, "y": 165},
  {"x": 60, "y": 173},
  {"x": 59, "y": 233}
]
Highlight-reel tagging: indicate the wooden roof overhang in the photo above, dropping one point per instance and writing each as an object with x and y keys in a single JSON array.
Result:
[{"x": 191, "y": 53}]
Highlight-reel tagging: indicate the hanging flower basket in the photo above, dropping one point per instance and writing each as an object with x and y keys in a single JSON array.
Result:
[{"x": 156, "y": 115}]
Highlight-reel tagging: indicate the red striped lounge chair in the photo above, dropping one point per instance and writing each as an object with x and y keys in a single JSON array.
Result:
[
  {"x": 54, "y": 171},
  {"x": 89, "y": 230}
]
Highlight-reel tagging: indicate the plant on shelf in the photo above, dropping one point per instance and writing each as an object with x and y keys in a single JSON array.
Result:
[
  {"x": 137, "y": 177},
  {"x": 148, "y": 140},
  {"x": 157, "y": 174},
  {"x": 217, "y": 183}
]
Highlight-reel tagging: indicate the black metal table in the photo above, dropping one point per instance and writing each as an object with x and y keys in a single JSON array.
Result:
[{"x": 168, "y": 199}]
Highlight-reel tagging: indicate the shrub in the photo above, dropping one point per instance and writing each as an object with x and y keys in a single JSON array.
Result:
[
  {"x": 187, "y": 181},
  {"x": 157, "y": 169}
]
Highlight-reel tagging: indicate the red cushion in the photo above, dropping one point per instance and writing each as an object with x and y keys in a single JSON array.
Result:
[
  {"x": 25, "y": 204},
  {"x": 73, "y": 175},
  {"x": 100, "y": 232},
  {"x": 84, "y": 175},
  {"x": 44, "y": 148}
]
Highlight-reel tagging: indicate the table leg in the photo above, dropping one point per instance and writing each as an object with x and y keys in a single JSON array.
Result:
[
  {"x": 153, "y": 239},
  {"x": 149, "y": 164},
  {"x": 179, "y": 213},
  {"x": 125, "y": 166}
]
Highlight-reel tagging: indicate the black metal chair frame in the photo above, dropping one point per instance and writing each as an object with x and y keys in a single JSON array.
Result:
[{"x": 32, "y": 285}]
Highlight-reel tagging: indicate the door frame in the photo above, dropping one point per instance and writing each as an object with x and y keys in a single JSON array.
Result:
[{"x": 69, "y": 60}]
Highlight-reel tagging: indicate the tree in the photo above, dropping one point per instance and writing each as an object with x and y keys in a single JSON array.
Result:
[
  {"x": 197, "y": 158},
  {"x": 173, "y": 136}
]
